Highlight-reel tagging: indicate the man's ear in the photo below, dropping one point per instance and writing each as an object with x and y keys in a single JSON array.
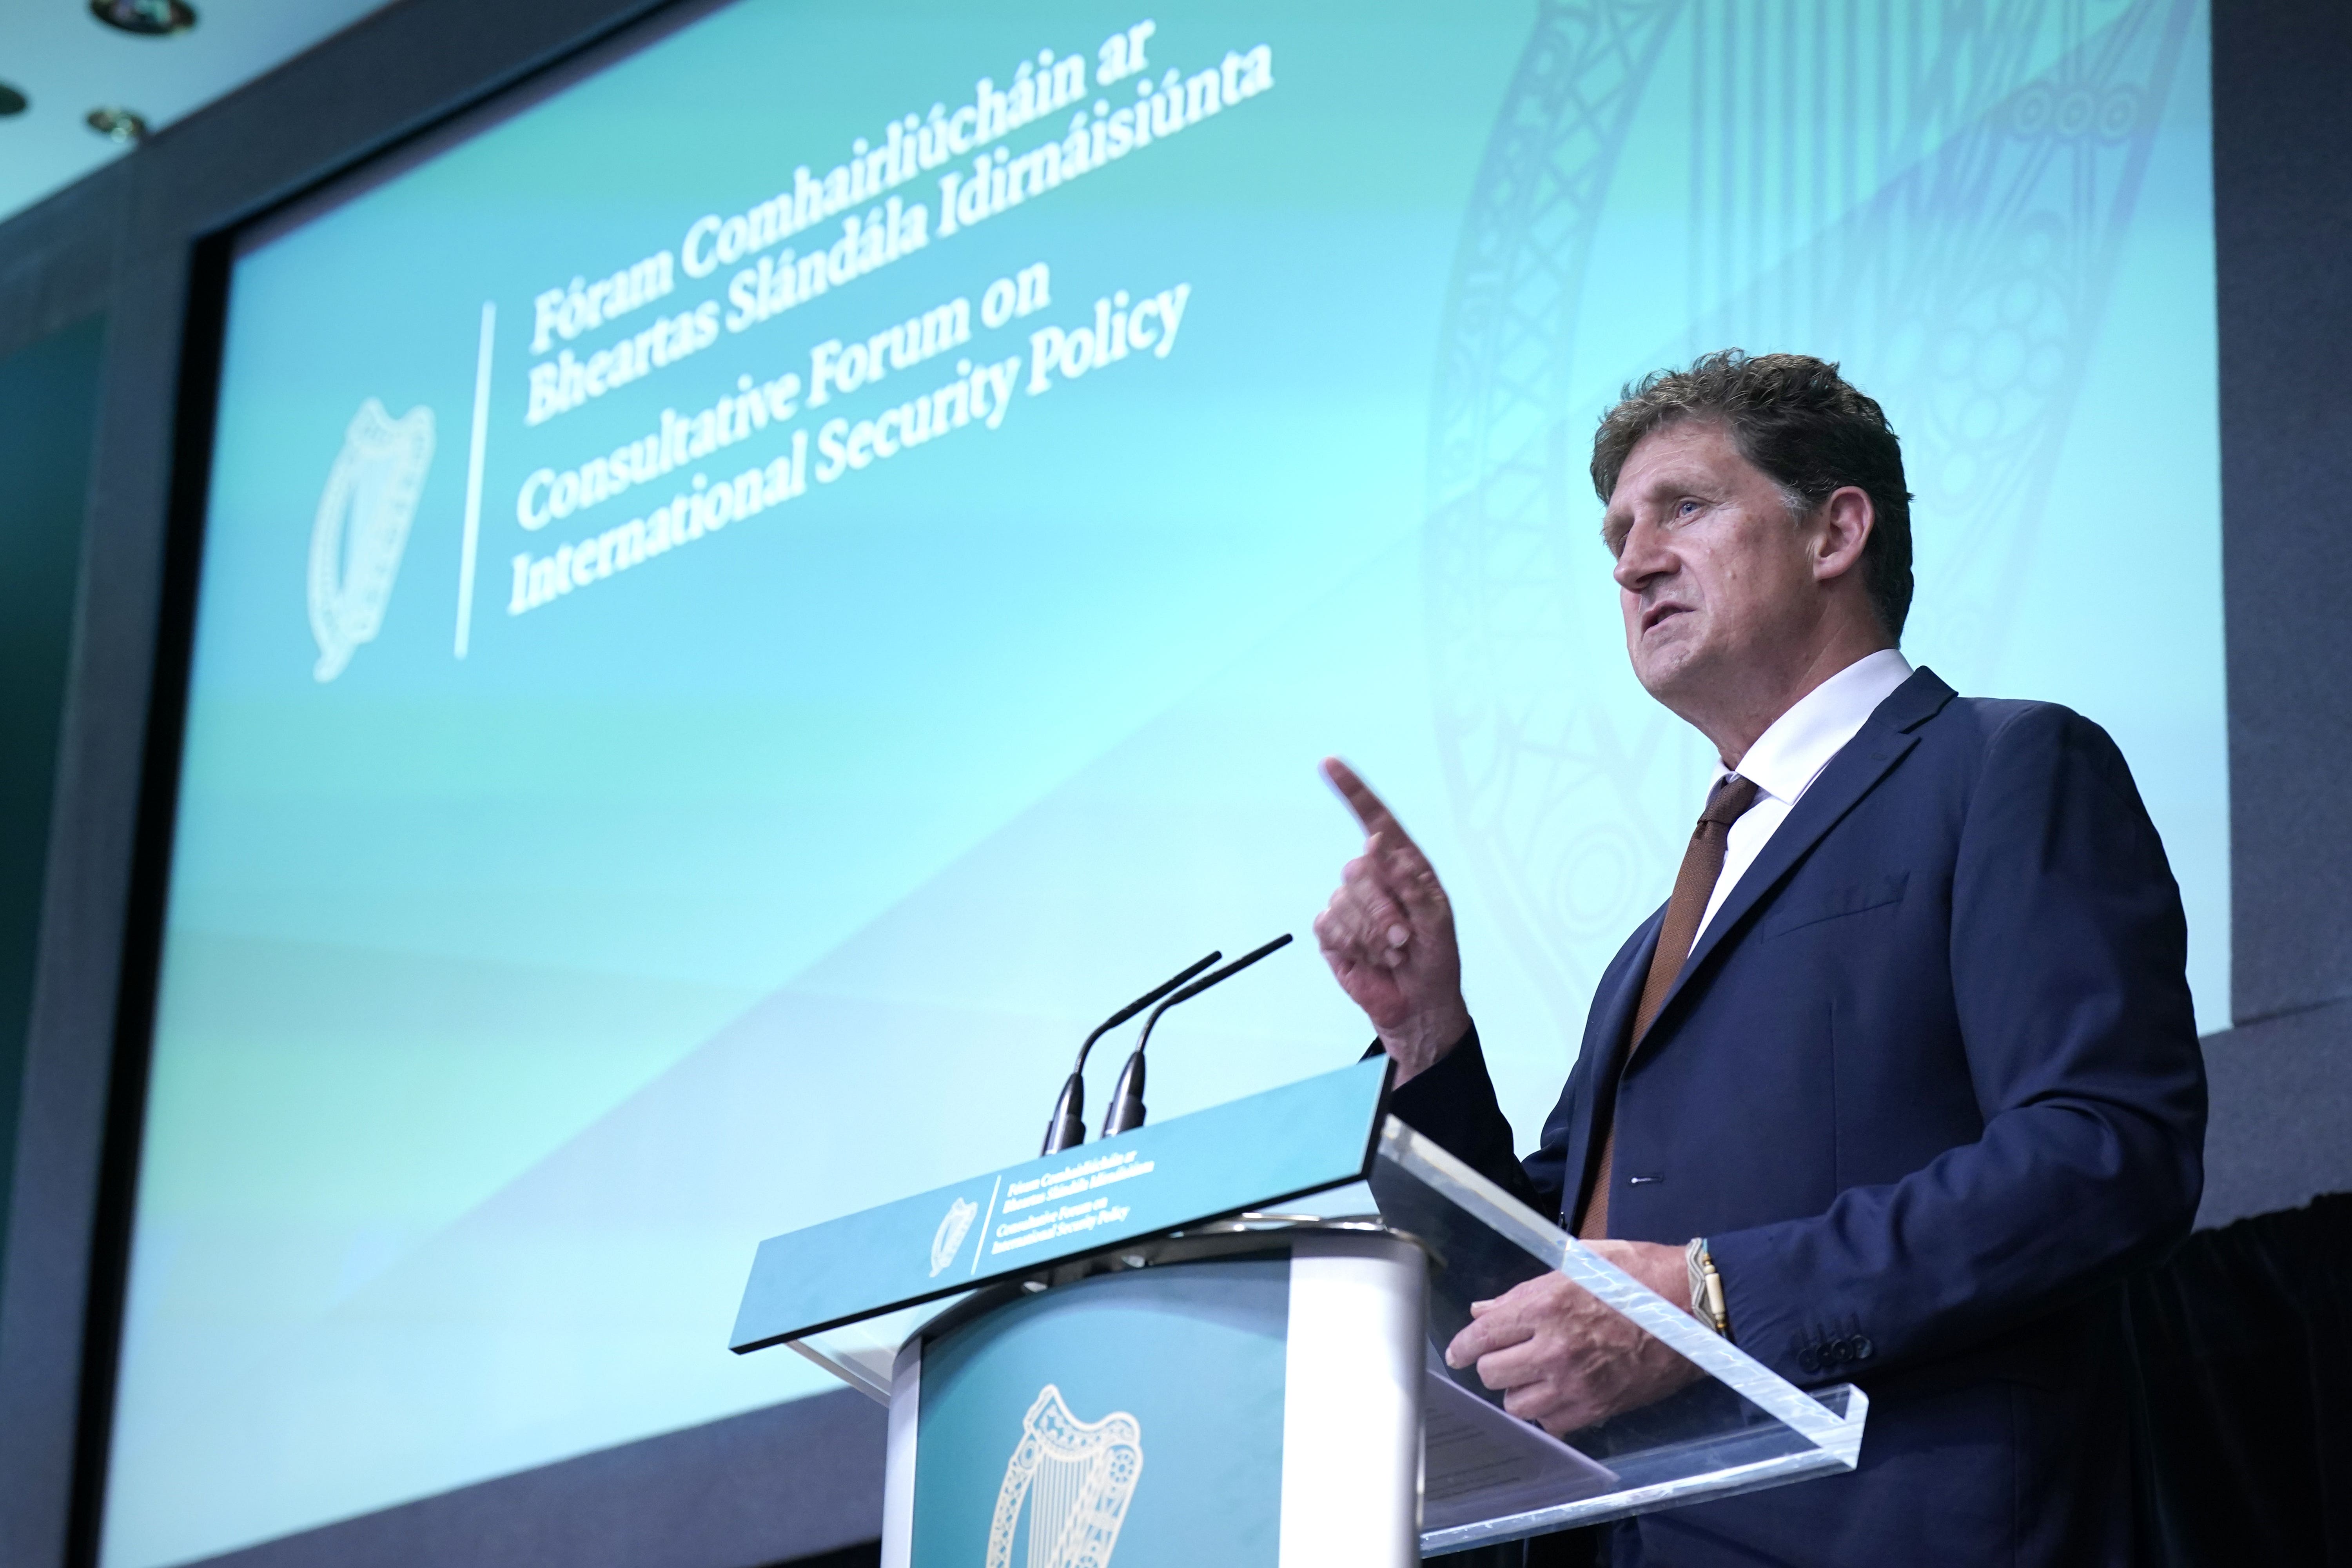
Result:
[{"x": 1842, "y": 525}]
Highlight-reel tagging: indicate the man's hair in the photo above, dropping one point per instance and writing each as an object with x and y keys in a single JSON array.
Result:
[{"x": 1795, "y": 418}]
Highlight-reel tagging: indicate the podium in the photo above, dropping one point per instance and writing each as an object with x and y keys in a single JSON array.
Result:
[{"x": 1218, "y": 1339}]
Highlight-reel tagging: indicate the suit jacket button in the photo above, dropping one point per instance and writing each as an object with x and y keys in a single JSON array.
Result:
[
  {"x": 1863, "y": 1347},
  {"x": 1839, "y": 1351},
  {"x": 1808, "y": 1359}
]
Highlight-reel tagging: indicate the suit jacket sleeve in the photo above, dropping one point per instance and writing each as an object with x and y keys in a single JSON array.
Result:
[
  {"x": 2067, "y": 956},
  {"x": 1453, "y": 1103}
]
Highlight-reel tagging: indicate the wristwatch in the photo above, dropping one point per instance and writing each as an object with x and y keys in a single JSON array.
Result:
[{"x": 1707, "y": 1287}]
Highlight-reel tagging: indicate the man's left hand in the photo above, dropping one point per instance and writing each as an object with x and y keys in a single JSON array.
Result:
[{"x": 1562, "y": 1359}]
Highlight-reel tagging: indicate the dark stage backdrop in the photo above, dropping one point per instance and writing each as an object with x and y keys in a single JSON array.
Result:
[
  {"x": 141, "y": 243},
  {"x": 48, "y": 412}
]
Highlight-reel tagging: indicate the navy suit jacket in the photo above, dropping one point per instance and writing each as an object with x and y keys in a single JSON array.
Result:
[{"x": 1929, "y": 1083}]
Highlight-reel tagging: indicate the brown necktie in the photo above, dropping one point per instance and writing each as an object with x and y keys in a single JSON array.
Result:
[{"x": 1693, "y": 885}]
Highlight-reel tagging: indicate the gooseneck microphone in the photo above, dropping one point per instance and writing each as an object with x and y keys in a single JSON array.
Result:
[
  {"x": 1067, "y": 1127},
  {"x": 1125, "y": 1111}
]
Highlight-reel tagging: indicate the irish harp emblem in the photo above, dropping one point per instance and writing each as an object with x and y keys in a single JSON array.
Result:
[
  {"x": 1076, "y": 1477},
  {"x": 948, "y": 1240},
  {"x": 362, "y": 527}
]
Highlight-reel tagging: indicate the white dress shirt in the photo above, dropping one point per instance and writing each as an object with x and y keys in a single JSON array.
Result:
[{"x": 1788, "y": 757}]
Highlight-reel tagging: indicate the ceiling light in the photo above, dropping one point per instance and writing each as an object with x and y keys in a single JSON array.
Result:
[
  {"x": 116, "y": 124},
  {"x": 149, "y": 19},
  {"x": 11, "y": 101}
]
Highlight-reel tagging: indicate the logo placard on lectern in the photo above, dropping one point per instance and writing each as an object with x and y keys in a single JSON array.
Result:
[{"x": 1078, "y": 1478}]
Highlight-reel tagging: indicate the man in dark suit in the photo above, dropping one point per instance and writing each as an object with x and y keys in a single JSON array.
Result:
[{"x": 1907, "y": 1062}]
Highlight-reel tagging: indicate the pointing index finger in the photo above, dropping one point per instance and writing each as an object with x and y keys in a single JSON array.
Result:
[{"x": 1369, "y": 809}]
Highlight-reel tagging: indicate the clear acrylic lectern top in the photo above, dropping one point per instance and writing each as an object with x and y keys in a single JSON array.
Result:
[{"x": 1733, "y": 1427}]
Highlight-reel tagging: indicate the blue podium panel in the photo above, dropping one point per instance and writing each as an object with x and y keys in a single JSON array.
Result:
[
  {"x": 1247, "y": 1399},
  {"x": 1302, "y": 1138},
  {"x": 1139, "y": 1411}
]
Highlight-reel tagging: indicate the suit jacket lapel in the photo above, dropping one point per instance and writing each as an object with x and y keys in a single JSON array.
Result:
[
  {"x": 1607, "y": 1028},
  {"x": 1851, "y": 774}
]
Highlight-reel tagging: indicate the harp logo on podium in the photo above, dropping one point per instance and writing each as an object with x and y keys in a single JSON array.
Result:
[
  {"x": 363, "y": 526},
  {"x": 1076, "y": 1477},
  {"x": 948, "y": 1240}
]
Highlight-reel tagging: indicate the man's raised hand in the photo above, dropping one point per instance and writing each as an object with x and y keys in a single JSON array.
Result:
[{"x": 1388, "y": 934}]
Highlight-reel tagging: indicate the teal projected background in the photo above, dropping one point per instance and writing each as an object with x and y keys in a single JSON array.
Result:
[{"x": 577, "y": 882}]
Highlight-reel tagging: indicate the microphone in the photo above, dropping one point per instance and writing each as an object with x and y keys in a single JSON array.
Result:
[
  {"x": 1067, "y": 1127},
  {"x": 1125, "y": 1111}
]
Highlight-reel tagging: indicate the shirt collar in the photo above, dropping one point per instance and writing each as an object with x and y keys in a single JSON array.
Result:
[{"x": 1788, "y": 756}]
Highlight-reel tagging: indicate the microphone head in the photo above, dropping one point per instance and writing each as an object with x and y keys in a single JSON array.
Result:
[
  {"x": 1125, "y": 1112},
  {"x": 1067, "y": 1127}
]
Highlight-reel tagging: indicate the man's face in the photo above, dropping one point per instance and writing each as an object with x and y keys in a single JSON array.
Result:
[{"x": 1715, "y": 579}]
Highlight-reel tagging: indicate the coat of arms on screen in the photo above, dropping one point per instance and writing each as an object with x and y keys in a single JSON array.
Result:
[
  {"x": 948, "y": 1240},
  {"x": 363, "y": 526},
  {"x": 1076, "y": 1477}
]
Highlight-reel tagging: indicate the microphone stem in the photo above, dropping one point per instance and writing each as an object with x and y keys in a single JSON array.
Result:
[
  {"x": 1127, "y": 1109},
  {"x": 1067, "y": 1128}
]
